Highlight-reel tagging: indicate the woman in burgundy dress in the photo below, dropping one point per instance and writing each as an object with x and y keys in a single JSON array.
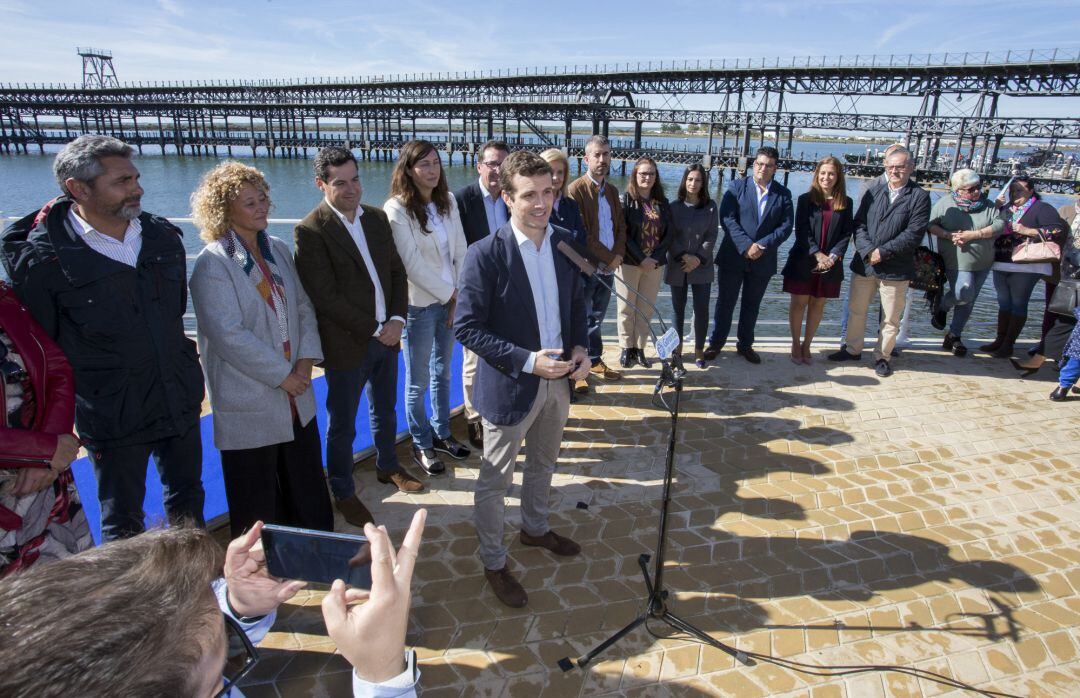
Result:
[
  {"x": 41, "y": 517},
  {"x": 814, "y": 269}
]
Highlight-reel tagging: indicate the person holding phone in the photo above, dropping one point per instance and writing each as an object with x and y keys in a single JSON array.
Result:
[
  {"x": 521, "y": 309},
  {"x": 152, "y": 617}
]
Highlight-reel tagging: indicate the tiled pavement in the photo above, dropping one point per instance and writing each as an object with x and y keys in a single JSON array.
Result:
[{"x": 821, "y": 515}]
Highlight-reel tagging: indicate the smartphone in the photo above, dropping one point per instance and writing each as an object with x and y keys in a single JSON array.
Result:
[{"x": 317, "y": 556}]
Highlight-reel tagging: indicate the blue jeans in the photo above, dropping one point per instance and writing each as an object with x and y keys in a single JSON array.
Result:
[
  {"x": 428, "y": 344},
  {"x": 964, "y": 287},
  {"x": 343, "y": 389},
  {"x": 1070, "y": 372},
  {"x": 1014, "y": 290},
  {"x": 597, "y": 298}
]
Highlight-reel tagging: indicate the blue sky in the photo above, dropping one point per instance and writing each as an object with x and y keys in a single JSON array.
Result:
[{"x": 202, "y": 39}]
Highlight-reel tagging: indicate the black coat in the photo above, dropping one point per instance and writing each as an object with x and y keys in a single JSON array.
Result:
[
  {"x": 566, "y": 214},
  {"x": 470, "y": 201},
  {"x": 137, "y": 375},
  {"x": 801, "y": 262},
  {"x": 895, "y": 229}
]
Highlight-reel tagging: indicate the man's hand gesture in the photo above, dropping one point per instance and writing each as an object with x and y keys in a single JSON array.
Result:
[
  {"x": 372, "y": 636},
  {"x": 252, "y": 591},
  {"x": 548, "y": 365}
]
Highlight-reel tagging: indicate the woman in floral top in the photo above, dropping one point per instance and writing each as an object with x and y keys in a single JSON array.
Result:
[{"x": 648, "y": 234}]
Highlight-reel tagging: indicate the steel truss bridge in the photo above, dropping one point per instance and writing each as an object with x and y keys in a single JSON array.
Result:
[{"x": 377, "y": 114}]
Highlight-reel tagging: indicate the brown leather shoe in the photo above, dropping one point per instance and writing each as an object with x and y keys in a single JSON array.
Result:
[
  {"x": 354, "y": 511},
  {"x": 581, "y": 387},
  {"x": 476, "y": 435},
  {"x": 601, "y": 370},
  {"x": 508, "y": 589},
  {"x": 710, "y": 352},
  {"x": 560, "y": 545},
  {"x": 404, "y": 481}
]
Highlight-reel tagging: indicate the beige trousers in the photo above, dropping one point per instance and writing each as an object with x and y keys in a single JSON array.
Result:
[
  {"x": 892, "y": 294},
  {"x": 468, "y": 375},
  {"x": 634, "y": 329}
]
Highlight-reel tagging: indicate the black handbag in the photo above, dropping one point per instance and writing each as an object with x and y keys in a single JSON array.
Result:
[
  {"x": 929, "y": 271},
  {"x": 1066, "y": 297}
]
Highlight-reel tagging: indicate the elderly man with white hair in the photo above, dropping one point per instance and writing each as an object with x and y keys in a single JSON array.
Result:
[{"x": 965, "y": 223}]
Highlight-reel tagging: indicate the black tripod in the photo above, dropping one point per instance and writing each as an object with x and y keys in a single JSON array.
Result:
[{"x": 671, "y": 376}]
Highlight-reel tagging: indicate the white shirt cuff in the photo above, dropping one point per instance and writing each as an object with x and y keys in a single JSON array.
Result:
[
  {"x": 529, "y": 363},
  {"x": 401, "y": 686}
]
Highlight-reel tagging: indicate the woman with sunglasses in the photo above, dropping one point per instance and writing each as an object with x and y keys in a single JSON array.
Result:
[
  {"x": 965, "y": 223},
  {"x": 41, "y": 516}
]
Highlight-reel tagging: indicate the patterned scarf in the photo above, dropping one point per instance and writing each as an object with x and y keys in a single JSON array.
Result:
[
  {"x": 266, "y": 278},
  {"x": 650, "y": 227},
  {"x": 967, "y": 205}
]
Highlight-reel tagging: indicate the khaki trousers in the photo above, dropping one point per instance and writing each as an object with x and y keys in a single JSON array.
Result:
[
  {"x": 468, "y": 375},
  {"x": 634, "y": 329},
  {"x": 541, "y": 431},
  {"x": 892, "y": 295}
]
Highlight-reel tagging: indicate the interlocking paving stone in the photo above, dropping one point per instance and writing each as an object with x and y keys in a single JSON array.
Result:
[{"x": 819, "y": 514}]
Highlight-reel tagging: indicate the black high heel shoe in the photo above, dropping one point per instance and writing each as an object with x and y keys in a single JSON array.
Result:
[{"x": 1025, "y": 371}]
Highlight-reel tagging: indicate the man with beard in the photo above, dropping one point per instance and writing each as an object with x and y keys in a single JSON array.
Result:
[
  {"x": 108, "y": 282},
  {"x": 605, "y": 228}
]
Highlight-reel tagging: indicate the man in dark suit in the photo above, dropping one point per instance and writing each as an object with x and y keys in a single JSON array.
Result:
[
  {"x": 757, "y": 216},
  {"x": 890, "y": 223},
  {"x": 483, "y": 211},
  {"x": 349, "y": 266},
  {"x": 522, "y": 311}
]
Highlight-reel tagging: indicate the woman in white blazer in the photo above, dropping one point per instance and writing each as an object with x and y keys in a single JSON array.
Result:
[
  {"x": 259, "y": 340},
  {"x": 431, "y": 243}
]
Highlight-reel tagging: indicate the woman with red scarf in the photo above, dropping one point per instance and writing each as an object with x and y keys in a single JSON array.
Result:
[{"x": 41, "y": 516}]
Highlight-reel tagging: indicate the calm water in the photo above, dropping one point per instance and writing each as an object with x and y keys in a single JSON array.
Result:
[{"x": 26, "y": 182}]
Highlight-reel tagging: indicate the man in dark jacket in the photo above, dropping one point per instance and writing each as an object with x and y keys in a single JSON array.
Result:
[
  {"x": 483, "y": 211},
  {"x": 349, "y": 266},
  {"x": 889, "y": 224},
  {"x": 757, "y": 216},
  {"x": 108, "y": 282}
]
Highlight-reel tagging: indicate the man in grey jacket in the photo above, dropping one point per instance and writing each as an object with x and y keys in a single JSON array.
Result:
[{"x": 889, "y": 224}]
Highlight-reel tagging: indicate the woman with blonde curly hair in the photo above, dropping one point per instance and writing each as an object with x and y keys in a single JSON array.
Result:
[{"x": 258, "y": 340}]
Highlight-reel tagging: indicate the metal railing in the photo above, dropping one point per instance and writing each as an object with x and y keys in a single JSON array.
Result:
[{"x": 913, "y": 60}]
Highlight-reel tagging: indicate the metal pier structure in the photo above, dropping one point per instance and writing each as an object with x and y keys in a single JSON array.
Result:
[{"x": 376, "y": 115}]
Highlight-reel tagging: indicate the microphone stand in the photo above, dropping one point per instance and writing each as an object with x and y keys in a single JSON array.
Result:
[{"x": 656, "y": 600}]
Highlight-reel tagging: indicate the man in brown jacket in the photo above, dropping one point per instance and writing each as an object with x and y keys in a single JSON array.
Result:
[
  {"x": 606, "y": 230},
  {"x": 356, "y": 281}
]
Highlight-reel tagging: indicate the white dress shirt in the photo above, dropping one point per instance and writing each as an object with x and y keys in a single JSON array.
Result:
[
  {"x": 125, "y": 251},
  {"x": 606, "y": 232},
  {"x": 442, "y": 241},
  {"x": 540, "y": 268},
  {"x": 494, "y": 209},
  {"x": 356, "y": 232},
  {"x": 762, "y": 199}
]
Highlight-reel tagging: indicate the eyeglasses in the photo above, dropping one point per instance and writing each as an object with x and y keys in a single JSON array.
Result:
[
  {"x": 970, "y": 190},
  {"x": 643, "y": 173},
  {"x": 492, "y": 165},
  {"x": 895, "y": 168},
  {"x": 240, "y": 656},
  {"x": 13, "y": 373}
]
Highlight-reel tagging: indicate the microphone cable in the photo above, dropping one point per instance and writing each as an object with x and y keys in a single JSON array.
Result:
[{"x": 850, "y": 669}]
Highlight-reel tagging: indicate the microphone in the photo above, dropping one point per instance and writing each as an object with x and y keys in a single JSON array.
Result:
[{"x": 576, "y": 254}]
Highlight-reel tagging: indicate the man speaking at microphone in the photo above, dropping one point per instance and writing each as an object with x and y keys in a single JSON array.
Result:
[{"x": 521, "y": 309}]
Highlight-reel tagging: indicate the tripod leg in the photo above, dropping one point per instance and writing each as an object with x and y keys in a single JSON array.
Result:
[
  {"x": 584, "y": 660},
  {"x": 643, "y": 561},
  {"x": 680, "y": 624}
]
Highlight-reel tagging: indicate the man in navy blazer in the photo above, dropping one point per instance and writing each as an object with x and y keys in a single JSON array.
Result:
[
  {"x": 757, "y": 216},
  {"x": 482, "y": 213},
  {"x": 521, "y": 310}
]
